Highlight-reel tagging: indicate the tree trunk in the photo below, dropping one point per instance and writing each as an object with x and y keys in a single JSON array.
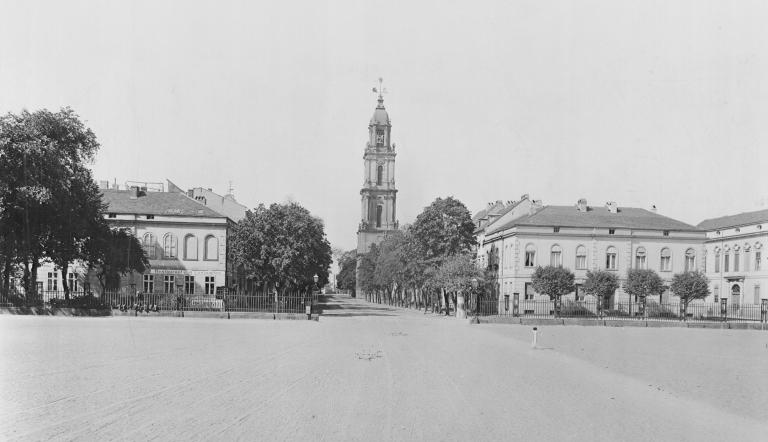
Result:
[
  {"x": 6, "y": 277},
  {"x": 64, "y": 282},
  {"x": 33, "y": 278}
]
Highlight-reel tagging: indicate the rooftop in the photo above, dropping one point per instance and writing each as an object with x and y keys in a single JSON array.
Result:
[
  {"x": 570, "y": 216},
  {"x": 759, "y": 216},
  {"x": 155, "y": 203}
]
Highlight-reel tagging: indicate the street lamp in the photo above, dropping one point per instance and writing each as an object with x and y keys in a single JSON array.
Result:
[{"x": 477, "y": 298}]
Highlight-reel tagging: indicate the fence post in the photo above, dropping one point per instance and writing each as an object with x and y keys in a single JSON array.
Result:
[
  {"x": 764, "y": 310},
  {"x": 515, "y": 304},
  {"x": 641, "y": 307},
  {"x": 724, "y": 309}
]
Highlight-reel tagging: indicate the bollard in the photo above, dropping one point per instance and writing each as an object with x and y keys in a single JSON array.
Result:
[{"x": 535, "y": 336}]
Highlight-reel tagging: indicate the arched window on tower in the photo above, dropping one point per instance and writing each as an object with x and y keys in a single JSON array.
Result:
[
  {"x": 379, "y": 175},
  {"x": 379, "y": 210}
]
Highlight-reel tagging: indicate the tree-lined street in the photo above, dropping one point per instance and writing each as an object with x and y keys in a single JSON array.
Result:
[{"x": 372, "y": 372}]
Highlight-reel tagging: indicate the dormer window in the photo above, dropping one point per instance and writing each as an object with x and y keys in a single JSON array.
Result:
[
  {"x": 112, "y": 215},
  {"x": 556, "y": 229},
  {"x": 150, "y": 216},
  {"x": 737, "y": 230},
  {"x": 611, "y": 231},
  {"x": 665, "y": 233}
]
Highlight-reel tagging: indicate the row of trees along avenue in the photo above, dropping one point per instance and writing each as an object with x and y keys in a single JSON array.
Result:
[
  {"x": 556, "y": 281},
  {"x": 417, "y": 265},
  {"x": 281, "y": 246},
  {"x": 50, "y": 206}
]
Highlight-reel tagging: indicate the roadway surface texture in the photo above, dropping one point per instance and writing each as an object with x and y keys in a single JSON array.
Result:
[{"x": 369, "y": 372}]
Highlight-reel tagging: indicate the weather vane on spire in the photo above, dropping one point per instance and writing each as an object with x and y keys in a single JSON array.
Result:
[{"x": 380, "y": 90}]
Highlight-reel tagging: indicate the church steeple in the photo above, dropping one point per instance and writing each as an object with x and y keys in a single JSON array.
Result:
[{"x": 378, "y": 195}]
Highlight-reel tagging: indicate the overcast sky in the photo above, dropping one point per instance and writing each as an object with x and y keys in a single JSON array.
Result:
[{"x": 639, "y": 102}]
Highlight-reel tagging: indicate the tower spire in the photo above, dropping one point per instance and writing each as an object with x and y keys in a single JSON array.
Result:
[{"x": 380, "y": 90}]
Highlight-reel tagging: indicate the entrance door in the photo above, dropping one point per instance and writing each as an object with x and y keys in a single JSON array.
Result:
[{"x": 736, "y": 295}]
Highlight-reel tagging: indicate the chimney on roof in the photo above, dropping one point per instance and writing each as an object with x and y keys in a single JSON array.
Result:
[
  {"x": 535, "y": 206},
  {"x": 524, "y": 197},
  {"x": 134, "y": 192},
  {"x": 582, "y": 205},
  {"x": 653, "y": 208},
  {"x": 612, "y": 206}
]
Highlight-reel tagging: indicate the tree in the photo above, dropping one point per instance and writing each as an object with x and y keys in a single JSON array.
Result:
[
  {"x": 366, "y": 271},
  {"x": 114, "y": 253},
  {"x": 554, "y": 281},
  {"x": 443, "y": 229},
  {"x": 346, "y": 279},
  {"x": 643, "y": 283},
  {"x": 42, "y": 168},
  {"x": 601, "y": 284},
  {"x": 455, "y": 275},
  {"x": 283, "y": 245},
  {"x": 690, "y": 286}
]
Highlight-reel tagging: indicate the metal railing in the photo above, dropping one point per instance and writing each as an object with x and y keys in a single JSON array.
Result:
[{"x": 648, "y": 311}]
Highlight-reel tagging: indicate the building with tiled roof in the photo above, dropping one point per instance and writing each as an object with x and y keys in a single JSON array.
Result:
[
  {"x": 736, "y": 264},
  {"x": 581, "y": 238}
]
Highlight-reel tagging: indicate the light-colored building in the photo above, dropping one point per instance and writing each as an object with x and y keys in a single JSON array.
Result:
[
  {"x": 185, "y": 241},
  {"x": 378, "y": 197},
  {"x": 736, "y": 258},
  {"x": 582, "y": 238}
]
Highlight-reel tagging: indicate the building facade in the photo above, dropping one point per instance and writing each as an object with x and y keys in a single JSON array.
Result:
[
  {"x": 736, "y": 258},
  {"x": 378, "y": 196},
  {"x": 583, "y": 238}
]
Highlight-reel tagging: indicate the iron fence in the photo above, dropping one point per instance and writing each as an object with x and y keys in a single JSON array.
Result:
[{"x": 647, "y": 311}]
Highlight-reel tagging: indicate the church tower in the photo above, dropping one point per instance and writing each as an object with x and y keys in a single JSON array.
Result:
[{"x": 378, "y": 196}]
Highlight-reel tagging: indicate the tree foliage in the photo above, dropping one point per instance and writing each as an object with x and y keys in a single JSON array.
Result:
[
  {"x": 346, "y": 279},
  {"x": 690, "y": 286},
  {"x": 443, "y": 229},
  {"x": 114, "y": 253},
  {"x": 282, "y": 245},
  {"x": 554, "y": 281},
  {"x": 601, "y": 283},
  {"x": 643, "y": 283},
  {"x": 456, "y": 272}
]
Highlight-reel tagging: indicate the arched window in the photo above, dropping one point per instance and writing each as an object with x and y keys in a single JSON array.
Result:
[
  {"x": 717, "y": 293},
  {"x": 717, "y": 260},
  {"x": 610, "y": 258},
  {"x": 190, "y": 247},
  {"x": 581, "y": 258},
  {"x": 530, "y": 255},
  {"x": 736, "y": 295},
  {"x": 149, "y": 245},
  {"x": 758, "y": 256},
  {"x": 726, "y": 259},
  {"x": 690, "y": 260},
  {"x": 555, "y": 256},
  {"x": 640, "y": 262},
  {"x": 747, "y": 250},
  {"x": 666, "y": 260},
  {"x": 736, "y": 254},
  {"x": 379, "y": 175},
  {"x": 379, "y": 210},
  {"x": 170, "y": 246},
  {"x": 211, "y": 248}
]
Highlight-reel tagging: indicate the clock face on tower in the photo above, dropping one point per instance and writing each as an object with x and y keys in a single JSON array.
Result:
[{"x": 379, "y": 138}]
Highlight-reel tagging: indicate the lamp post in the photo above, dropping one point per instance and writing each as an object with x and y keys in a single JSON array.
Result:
[
  {"x": 477, "y": 299},
  {"x": 308, "y": 304}
]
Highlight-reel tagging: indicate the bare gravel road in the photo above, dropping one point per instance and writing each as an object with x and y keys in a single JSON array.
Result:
[{"x": 368, "y": 372}]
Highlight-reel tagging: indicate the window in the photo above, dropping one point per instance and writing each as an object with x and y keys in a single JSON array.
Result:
[
  {"x": 189, "y": 285},
  {"x": 640, "y": 262},
  {"x": 379, "y": 210},
  {"x": 610, "y": 258},
  {"x": 757, "y": 294},
  {"x": 210, "y": 285},
  {"x": 149, "y": 283},
  {"x": 666, "y": 260},
  {"x": 726, "y": 261},
  {"x": 112, "y": 215},
  {"x": 150, "y": 216},
  {"x": 168, "y": 282},
  {"x": 717, "y": 293},
  {"x": 170, "y": 246},
  {"x": 53, "y": 281},
  {"x": 746, "y": 258},
  {"x": 379, "y": 175},
  {"x": 72, "y": 281},
  {"x": 149, "y": 245},
  {"x": 211, "y": 248},
  {"x": 379, "y": 137},
  {"x": 611, "y": 231},
  {"x": 581, "y": 258},
  {"x": 190, "y": 248},
  {"x": 690, "y": 260},
  {"x": 529, "y": 291},
  {"x": 530, "y": 255},
  {"x": 556, "y": 229},
  {"x": 736, "y": 254},
  {"x": 665, "y": 233},
  {"x": 579, "y": 292},
  {"x": 555, "y": 258},
  {"x": 717, "y": 261},
  {"x": 758, "y": 258}
]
